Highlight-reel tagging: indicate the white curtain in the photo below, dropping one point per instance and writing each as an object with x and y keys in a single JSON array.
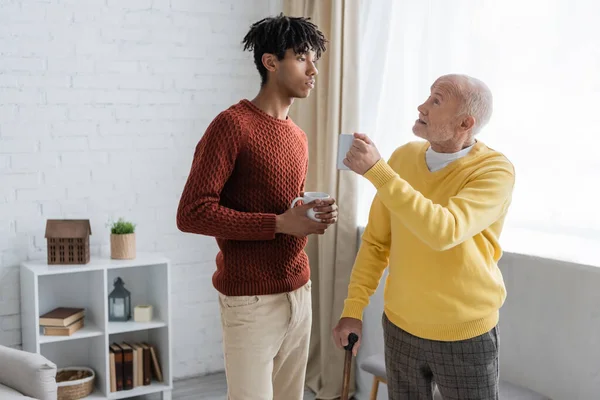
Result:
[{"x": 541, "y": 59}]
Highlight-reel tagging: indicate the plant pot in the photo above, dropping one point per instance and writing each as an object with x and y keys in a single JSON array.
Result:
[{"x": 122, "y": 247}]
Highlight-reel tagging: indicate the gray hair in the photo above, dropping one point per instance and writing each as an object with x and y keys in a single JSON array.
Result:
[{"x": 476, "y": 99}]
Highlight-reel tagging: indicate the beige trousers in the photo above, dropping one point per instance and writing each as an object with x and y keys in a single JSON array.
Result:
[{"x": 265, "y": 343}]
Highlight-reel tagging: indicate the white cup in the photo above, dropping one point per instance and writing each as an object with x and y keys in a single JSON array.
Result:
[
  {"x": 308, "y": 198},
  {"x": 344, "y": 143}
]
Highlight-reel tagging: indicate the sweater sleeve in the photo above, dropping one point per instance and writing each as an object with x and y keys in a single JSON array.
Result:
[
  {"x": 372, "y": 259},
  {"x": 199, "y": 209},
  {"x": 479, "y": 204}
]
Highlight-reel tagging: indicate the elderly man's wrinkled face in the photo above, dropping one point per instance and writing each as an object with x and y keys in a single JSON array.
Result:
[{"x": 438, "y": 116}]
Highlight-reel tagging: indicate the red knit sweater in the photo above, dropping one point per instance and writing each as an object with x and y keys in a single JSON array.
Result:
[{"x": 247, "y": 168}]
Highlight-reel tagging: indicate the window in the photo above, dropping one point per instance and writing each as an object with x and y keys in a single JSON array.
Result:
[{"x": 541, "y": 59}]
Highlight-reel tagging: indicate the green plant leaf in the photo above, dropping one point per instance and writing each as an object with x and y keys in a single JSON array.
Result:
[{"x": 122, "y": 227}]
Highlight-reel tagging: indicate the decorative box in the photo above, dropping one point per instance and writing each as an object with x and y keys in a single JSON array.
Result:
[{"x": 142, "y": 313}]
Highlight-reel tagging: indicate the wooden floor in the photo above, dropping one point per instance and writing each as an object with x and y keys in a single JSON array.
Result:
[{"x": 210, "y": 387}]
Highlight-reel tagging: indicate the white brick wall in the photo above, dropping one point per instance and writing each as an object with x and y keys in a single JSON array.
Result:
[{"x": 101, "y": 105}]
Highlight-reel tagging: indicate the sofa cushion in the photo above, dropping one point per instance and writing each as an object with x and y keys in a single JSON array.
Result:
[
  {"x": 508, "y": 391},
  {"x": 28, "y": 373},
  {"x": 511, "y": 391},
  {"x": 7, "y": 393},
  {"x": 375, "y": 365}
]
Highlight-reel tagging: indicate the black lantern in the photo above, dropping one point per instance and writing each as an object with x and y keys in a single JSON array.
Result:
[{"x": 119, "y": 302}]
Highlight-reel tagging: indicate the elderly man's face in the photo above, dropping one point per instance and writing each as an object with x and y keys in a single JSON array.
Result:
[{"x": 438, "y": 116}]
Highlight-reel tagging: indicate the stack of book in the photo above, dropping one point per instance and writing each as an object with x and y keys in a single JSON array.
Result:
[
  {"x": 132, "y": 365},
  {"x": 62, "y": 321}
]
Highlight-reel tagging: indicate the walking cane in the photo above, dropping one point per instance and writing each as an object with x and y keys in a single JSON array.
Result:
[{"x": 352, "y": 339}]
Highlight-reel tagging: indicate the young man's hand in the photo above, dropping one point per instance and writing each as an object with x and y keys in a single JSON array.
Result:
[
  {"x": 327, "y": 212},
  {"x": 295, "y": 222}
]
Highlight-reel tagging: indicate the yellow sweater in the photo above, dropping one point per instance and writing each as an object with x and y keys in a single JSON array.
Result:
[{"x": 438, "y": 233}]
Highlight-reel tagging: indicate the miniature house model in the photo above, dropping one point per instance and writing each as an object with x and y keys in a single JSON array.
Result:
[{"x": 68, "y": 241}]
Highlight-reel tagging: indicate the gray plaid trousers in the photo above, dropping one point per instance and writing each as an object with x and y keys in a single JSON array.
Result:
[{"x": 462, "y": 370}]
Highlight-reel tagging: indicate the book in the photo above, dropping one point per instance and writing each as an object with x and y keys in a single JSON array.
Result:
[
  {"x": 135, "y": 364},
  {"x": 155, "y": 364},
  {"x": 63, "y": 331},
  {"x": 139, "y": 367},
  {"x": 62, "y": 316},
  {"x": 127, "y": 366},
  {"x": 147, "y": 364},
  {"x": 113, "y": 372},
  {"x": 118, "y": 365}
]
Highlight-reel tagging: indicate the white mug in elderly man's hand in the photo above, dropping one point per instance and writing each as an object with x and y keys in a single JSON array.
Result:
[{"x": 362, "y": 155}]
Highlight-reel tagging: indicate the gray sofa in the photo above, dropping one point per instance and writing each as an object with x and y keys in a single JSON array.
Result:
[
  {"x": 25, "y": 375},
  {"x": 375, "y": 365}
]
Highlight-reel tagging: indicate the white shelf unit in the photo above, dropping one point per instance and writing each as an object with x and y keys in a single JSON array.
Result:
[{"x": 147, "y": 277}]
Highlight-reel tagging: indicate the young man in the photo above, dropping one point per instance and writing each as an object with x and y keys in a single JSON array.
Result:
[
  {"x": 247, "y": 168},
  {"x": 435, "y": 222}
]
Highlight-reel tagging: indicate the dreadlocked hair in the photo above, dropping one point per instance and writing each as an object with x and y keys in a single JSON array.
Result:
[{"x": 275, "y": 35}]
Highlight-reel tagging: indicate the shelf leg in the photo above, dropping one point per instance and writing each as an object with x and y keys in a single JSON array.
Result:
[{"x": 166, "y": 395}]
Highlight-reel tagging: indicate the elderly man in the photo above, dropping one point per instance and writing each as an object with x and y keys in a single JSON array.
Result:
[{"x": 435, "y": 221}]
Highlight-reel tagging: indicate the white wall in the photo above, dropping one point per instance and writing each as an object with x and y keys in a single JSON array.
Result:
[
  {"x": 101, "y": 105},
  {"x": 549, "y": 329}
]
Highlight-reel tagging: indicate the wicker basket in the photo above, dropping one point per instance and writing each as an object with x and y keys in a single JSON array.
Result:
[{"x": 75, "y": 389}]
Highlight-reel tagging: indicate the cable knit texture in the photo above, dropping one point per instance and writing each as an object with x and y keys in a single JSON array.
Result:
[{"x": 247, "y": 168}]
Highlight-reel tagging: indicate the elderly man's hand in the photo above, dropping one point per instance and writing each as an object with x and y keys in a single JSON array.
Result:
[{"x": 362, "y": 155}]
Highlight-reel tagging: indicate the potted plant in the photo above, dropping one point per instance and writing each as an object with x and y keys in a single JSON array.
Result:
[{"x": 122, "y": 240}]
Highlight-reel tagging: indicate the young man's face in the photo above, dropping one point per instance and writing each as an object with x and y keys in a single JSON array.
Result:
[{"x": 295, "y": 73}]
